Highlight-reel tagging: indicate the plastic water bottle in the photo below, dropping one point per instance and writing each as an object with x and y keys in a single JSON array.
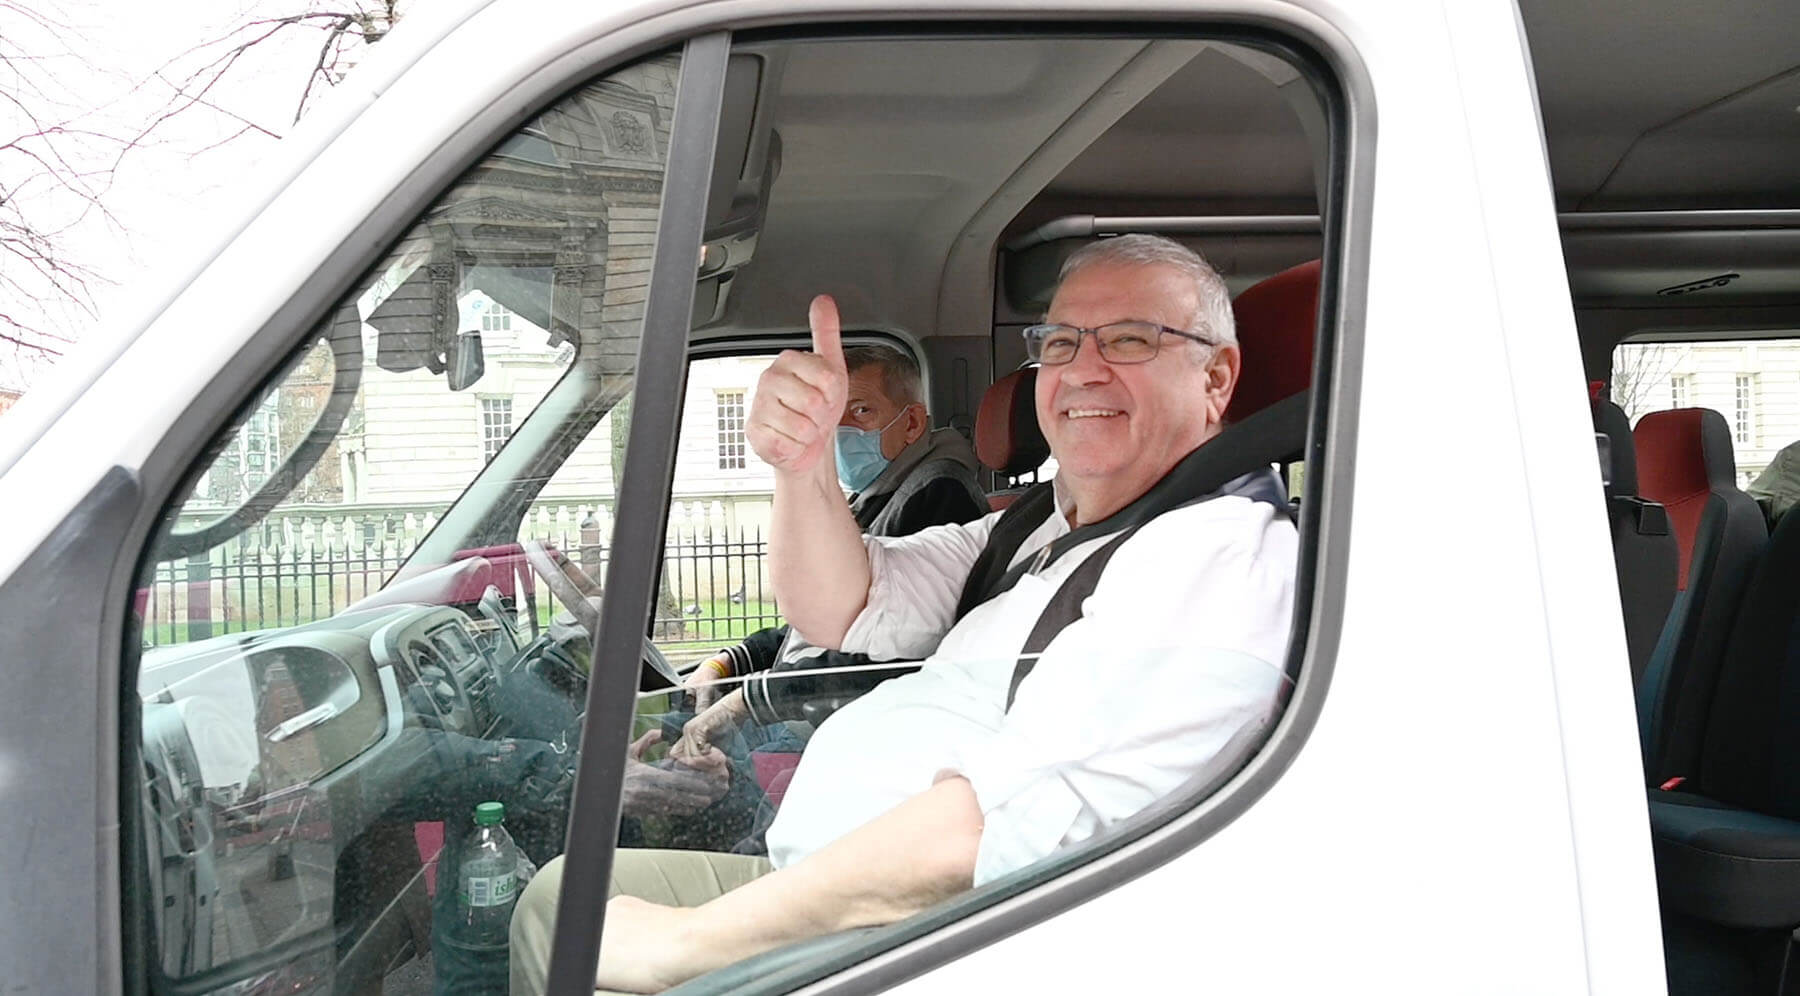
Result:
[{"x": 487, "y": 880}]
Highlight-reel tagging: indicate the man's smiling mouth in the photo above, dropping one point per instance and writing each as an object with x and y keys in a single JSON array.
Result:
[{"x": 1091, "y": 412}]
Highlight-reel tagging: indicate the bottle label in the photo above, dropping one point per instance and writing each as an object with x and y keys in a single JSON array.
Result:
[{"x": 490, "y": 890}]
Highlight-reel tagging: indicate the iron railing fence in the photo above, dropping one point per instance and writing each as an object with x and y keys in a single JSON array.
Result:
[{"x": 714, "y": 588}]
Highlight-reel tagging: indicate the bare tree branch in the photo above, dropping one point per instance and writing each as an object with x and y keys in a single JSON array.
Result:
[
  {"x": 62, "y": 152},
  {"x": 40, "y": 347},
  {"x": 319, "y": 64}
]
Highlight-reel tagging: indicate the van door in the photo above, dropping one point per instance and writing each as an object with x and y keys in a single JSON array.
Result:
[{"x": 266, "y": 761}]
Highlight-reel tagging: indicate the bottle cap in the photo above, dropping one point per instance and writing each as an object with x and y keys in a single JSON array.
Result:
[{"x": 489, "y": 814}]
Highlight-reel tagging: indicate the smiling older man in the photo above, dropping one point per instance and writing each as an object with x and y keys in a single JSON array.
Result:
[{"x": 983, "y": 762}]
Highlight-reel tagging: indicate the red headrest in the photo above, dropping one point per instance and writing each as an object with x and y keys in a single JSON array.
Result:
[
  {"x": 1684, "y": 456},
  {"x": 1007, "y": 437},
  {"x": 1275, "y": 323},
  {"x": 1683, "y": 452}
]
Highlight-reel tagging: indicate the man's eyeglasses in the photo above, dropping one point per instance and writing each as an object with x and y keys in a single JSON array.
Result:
[{"x": 1120, "y": 342}]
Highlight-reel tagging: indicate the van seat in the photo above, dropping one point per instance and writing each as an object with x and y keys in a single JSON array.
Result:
[
  {"x": 1646, "y": 556},
  {"x": 1008, "y": 440},
  {"x": 1276, "y": 319},
  {"x": 1727, "y": 841},
  {"x": 1686, "y": 464}
]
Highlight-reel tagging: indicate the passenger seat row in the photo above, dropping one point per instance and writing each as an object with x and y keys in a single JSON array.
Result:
[{"x": 1719, "y": 690}]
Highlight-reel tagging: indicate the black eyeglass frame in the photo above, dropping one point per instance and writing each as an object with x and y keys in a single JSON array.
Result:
[{"x": 1100, "y": 343}]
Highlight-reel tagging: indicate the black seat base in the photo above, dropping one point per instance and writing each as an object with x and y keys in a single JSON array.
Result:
[{"x": 1724, "y": 864}]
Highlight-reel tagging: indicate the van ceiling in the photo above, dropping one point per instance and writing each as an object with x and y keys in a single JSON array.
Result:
[
  {"x": 899, "y": 153},
  {"x": 1669, "y": 104}
]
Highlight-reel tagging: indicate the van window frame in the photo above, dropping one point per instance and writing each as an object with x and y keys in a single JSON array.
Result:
[
  {"x": 882, "y": 957},
  {"x": 1336, "y": 73}
]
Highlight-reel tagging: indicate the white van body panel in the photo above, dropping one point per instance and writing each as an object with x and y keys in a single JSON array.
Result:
[{"x": 1466, "y": 815}]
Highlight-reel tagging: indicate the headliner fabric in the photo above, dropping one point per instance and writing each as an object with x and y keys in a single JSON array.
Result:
[
  {"x": 1683, "y": 456},
  {"x": 1276, "y": 319}
]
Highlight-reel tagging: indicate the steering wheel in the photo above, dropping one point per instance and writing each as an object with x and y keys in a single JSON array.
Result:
[{"x": 579, "y": 594}]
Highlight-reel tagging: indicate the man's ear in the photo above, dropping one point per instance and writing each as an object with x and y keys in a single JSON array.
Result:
[
  {"x": 918, "y": 422},
  {"x": 1221, "y": 380}
]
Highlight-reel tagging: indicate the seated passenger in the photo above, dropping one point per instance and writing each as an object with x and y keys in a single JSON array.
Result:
[
  {"x": 960, "y": 773},
  {"x": 904, "y": 478},
  {"x": 1779, "y": 483}
]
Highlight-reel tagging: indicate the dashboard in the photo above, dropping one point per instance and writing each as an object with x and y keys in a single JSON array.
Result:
[
  {"x": 285, "y": 770},
  {"x": 332, "y": 689}
]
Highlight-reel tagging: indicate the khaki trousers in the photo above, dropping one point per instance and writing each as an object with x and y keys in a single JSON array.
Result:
[{"x": 672, "y": 878}]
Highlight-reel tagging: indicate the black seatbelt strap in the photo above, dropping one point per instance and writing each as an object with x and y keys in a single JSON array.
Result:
[
  {"x": 1019, "y": 521},
  {"x": 1064, "y": 606}
]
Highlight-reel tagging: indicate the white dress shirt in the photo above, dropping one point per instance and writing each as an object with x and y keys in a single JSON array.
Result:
[{"x": 1174, "y": 666}]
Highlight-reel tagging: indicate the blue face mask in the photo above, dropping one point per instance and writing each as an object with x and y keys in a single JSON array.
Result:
[{"x": 859, "y": 459}]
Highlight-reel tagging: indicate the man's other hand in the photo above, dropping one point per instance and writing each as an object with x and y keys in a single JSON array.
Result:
[
  {"x": 675, "y": 787},
  {"x": 699, "y": 733},
  {"x": 800, "y": 398}
]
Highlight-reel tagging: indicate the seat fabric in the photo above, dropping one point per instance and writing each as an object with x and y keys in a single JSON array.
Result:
[
  {"x": 1646, "y": 556},
  {"x": 1728, "y": 846},
  {"x": 1276, "y": 318},
  {"x": 1008, "y": 440},
  {"x": 1723, "y": 864}
]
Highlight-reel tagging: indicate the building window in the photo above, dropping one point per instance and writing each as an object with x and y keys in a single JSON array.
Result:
[
  {"x": 495, "y": 318},
  {"x": 1743, "y": 425},
  {"x": 1678, "y": 391},
  {"x": 262, "y": 445},
  {"x": 730, "y": 405},
  {"x": 496, "y": 425}
]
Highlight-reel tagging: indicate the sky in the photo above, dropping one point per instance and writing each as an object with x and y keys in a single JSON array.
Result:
[{"x": 103, "y": 67}]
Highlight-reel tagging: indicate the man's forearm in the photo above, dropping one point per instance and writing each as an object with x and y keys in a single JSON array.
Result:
[
  {"x": 917, "y": 854},
  {"x": 817, "y": 562}
]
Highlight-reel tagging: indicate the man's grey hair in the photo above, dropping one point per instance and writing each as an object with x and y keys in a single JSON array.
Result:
[
  {"x": 1214, "y": 318},
  {"x": 899, "y": 371}
]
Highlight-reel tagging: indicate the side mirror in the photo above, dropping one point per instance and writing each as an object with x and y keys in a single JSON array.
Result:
[{"x": 463, "y": 360}]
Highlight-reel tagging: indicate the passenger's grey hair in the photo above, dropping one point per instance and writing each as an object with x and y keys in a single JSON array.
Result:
[
  {"x": 899, "y": 371},
  {"x": 1214, "y": 318}
]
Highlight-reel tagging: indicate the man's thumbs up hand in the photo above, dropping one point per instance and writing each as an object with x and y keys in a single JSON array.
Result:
[{"x": 800, "y": 398}]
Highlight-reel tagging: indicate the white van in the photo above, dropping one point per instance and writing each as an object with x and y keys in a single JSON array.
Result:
[{"x": 366, "y": 520}]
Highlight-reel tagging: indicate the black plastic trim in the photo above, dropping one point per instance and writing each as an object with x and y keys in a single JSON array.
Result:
[
  {"x": 642, "y": 506},
  {"x": 58, "y": 706}
]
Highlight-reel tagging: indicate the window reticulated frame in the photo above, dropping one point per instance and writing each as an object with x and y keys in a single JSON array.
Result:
[{"x": 729, "y": 416}]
